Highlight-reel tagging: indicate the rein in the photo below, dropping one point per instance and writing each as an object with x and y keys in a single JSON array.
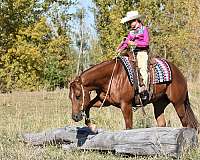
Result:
[
  {"x": 110, "y": 82},
  {"x": 109, "y": 86}
]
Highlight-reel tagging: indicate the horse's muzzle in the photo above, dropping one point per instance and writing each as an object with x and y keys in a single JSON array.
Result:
[{"x": 77, "y": 117}]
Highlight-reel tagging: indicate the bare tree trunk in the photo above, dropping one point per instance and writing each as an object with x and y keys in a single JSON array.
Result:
[{"x": 80, "y": 57}]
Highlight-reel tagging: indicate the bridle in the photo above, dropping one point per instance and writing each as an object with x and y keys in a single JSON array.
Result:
[
  {"x": 83, "y": 101},
  {"x": 109, "y": 86},
  {"x": 83, "y": 93}
]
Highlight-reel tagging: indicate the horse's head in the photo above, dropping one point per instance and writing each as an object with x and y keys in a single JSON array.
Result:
[{"x": 79, "y": 98}]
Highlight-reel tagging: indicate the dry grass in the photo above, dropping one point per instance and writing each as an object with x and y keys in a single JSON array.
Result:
[{"x": 37, "y": 111}]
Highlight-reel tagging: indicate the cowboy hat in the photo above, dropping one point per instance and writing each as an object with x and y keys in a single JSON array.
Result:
[{"x": 130, "y": 16}]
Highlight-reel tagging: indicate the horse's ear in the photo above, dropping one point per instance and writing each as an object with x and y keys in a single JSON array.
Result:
[
  {"x": 72, "y": 82},
  {"x": 78, "y": 79}
]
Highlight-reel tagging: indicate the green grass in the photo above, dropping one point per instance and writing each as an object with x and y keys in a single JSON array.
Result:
[{"x": 22, "y": 112}]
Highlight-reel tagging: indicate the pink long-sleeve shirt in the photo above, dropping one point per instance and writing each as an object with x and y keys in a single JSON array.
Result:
[{"x": 140, "y": 36}]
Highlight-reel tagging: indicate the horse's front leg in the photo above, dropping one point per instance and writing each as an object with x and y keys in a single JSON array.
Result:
[
  {"x": 93, "y": 103},
  {"x": 128, "y": 114}
]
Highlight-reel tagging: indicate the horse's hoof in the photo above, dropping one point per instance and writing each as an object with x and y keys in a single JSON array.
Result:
[{"x": 93, "y": 128}]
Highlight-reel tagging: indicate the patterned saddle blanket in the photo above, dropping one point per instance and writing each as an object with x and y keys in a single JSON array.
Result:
[
  {"x": 161, "y": 71},
  {"x": 129, "y": 69}
]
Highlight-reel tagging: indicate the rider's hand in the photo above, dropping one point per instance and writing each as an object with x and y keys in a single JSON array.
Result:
[
  {"x": 131, "y": 43},
  {"x": 118, "y": 50}
]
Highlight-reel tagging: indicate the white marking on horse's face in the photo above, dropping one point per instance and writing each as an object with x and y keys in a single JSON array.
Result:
[{"x": 72, "y": 95}]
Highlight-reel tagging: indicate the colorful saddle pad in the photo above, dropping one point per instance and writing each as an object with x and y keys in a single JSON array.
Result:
[
  {"x": 162, "y": 71},
  {"x": 129, "y": 69}
]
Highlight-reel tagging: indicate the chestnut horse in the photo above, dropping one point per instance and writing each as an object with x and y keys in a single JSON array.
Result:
[{"x": 110, "y": 81}]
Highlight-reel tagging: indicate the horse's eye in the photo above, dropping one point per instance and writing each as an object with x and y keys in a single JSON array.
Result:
[{"x": 78, "y": 97}]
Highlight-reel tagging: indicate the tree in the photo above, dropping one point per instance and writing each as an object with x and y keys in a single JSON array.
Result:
[
  {"x": 27, "y": 42},
  {"x": 110, "y": 31},
  {"x": 81, "y": 37},
  {"x": 171, "y": 24}
]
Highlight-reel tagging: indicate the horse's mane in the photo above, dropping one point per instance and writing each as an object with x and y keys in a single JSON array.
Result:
[{"x": 96, "y": 66}]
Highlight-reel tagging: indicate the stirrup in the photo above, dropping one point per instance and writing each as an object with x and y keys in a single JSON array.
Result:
[
  {"x": 144, "y": 97},
  {"x": 138, "y": 101}
]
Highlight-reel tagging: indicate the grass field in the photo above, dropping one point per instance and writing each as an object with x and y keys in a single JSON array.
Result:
[{"x": 22, "y": 112}]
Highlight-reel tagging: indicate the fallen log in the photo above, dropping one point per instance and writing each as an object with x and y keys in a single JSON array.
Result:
[{"x": 145, "y": 141}]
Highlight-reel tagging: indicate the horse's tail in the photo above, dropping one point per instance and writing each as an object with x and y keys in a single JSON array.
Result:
[{"x": 192, "y": 121}]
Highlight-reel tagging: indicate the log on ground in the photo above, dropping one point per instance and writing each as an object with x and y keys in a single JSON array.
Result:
[{"x": 144, "y": 141}]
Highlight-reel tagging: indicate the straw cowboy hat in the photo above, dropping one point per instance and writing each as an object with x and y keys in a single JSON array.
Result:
[{"x": 130, "y": 16}]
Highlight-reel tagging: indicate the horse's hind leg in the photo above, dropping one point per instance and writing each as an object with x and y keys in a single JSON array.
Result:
[
  {"x": 177, "y": 97},
  {"x": 159, "y": 107},
  {"x": 180, "y": 109}
]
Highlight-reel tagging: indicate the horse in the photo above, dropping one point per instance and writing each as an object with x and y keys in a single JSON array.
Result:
[{"x": 110, "y": 81}]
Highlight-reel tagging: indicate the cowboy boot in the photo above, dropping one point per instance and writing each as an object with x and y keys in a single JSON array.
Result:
[{"x": 144, "y": 94}]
